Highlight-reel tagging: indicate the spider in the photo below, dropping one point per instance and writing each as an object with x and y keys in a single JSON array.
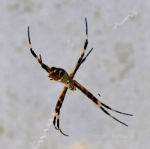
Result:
[{"x": 60, "y": 75}]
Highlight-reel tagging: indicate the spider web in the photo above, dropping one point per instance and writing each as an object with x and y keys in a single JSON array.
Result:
[{"x": 44, "y": 135}]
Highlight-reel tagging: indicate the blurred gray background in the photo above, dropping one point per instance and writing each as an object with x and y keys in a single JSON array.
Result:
[{"x": 118, "y": 68}]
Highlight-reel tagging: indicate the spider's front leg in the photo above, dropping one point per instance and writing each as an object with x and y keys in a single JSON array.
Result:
[
  {"x": 81, "y": 59},
  {"x": 39, "y": 59}
]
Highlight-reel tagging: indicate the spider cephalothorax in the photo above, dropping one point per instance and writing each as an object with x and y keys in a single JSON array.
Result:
[
  {"x": 60, "y": 75},
  {"x": 56, "y": 73}
]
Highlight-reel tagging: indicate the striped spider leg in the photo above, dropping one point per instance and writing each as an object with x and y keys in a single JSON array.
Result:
[
  {"x": 39, "y": 59},
  {"x": 100, "y": 104},
  {"x": 65, "y": 88}
]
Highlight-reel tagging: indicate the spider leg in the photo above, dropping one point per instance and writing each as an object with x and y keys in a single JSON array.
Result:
[
  {"x": 86, "y": 56},
  {"x": 58, "y": 124},
  {"x": 54, "y": 121},
  {"x": 112, "y": 116},
  {"x": 39, "y": 59},
  {"x": 104, "y": 105},
  {"x": 57, "y": 110},
  {"x": 99, "y": 103},
  {"x": 79, "y": 62}
]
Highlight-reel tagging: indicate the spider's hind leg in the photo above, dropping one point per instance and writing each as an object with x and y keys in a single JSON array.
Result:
[
  {"x": 58, "y": 128},
  {"x": 101, "y": 105},
  {"x": 106, "y": 106},
  {"x": 56, "y": 119}
]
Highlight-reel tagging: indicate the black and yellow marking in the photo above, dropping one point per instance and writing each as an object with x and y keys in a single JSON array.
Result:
[
  {"x": 57, "y": 115},
  {"x": 58, "y": 125},
  {"x": 99, "y": 103},
  {"x": 81, "y": 59},
  {"x": 86, "y": 56},
  {"x": 104, "y": 105},
  {"x": 39, "y": 59},
  {"x": 113, "y": 116},
  {"x": 57, "y": 110}
]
